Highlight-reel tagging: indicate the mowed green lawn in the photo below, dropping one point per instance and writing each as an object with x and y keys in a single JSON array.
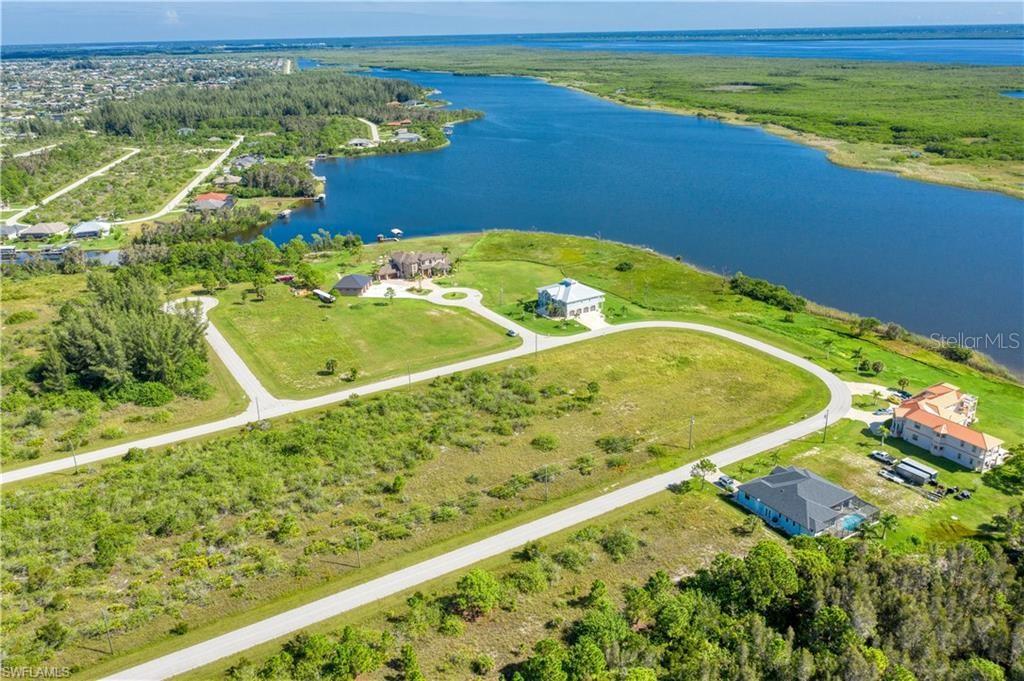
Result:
[
  {"x": 287, "y": 340},
  {"x": 844, "y": 459}
]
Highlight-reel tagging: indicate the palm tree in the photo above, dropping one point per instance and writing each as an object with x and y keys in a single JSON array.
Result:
[
  {"x": 888, "y": 521},
  {"x": 885, "y": 432}
]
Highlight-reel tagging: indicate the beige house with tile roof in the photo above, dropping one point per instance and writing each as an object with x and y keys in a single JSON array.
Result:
[{"x": 938, "y": 418}]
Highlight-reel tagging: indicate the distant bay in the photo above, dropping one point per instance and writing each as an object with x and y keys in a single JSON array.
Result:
[{"x": 937, "y": 259}]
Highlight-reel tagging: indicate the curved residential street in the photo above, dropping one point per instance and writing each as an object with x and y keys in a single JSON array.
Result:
[
  {"x": 263, "y": 405},
  {"x": 268, "y": 406},
  {"x": 292, "y": 620},
  {"x": 195, "y": 182}
]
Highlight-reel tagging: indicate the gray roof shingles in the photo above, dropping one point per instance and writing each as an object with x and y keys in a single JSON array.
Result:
[{"x": 801, "y": 496}]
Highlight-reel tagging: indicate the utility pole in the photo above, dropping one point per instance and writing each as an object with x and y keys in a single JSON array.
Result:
[
  {"x": 408, "y": 370},
  {"x": 74, "y": 453},
  {"x": 258, "y": 417},
  {"x": 359, "y": 555},
  {"x": 536, "y": 336},
  {"x": 824, "y": 433},
  {"x": 692, "y": 419},
  {"x": 106, "y": 627}
]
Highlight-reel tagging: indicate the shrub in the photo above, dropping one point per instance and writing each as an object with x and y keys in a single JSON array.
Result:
[
  {"x": 616, "y": 444},
  {"x": 957, "y": 353},
  {"x": 619, "y": 544},
  {"x": 624, "y": 266},
  {"x": 544, "y": 443},
  {"x": 151, "y": 394},
  {"x": 766, "y": 292},
  {"x": 482, "y": 665},
  {"x": 20, "y": 317},
  {"x": 572, "y": 558}
]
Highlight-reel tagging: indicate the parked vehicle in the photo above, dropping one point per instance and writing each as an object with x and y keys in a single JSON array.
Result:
[
  {"x": 889, "y": 475},
  {"x": 725, "y": 482},
  {"x": 882, "y": 412},
  {"x": 963, "y": 495},
  {"x": 511, "y": 333},
  {"x": 879, "y": 455}
]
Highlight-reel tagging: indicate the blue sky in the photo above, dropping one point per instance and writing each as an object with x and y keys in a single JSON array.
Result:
[{"x": 72, "y": 22}]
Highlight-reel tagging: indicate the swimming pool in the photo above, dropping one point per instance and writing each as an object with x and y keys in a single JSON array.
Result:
[{"x": 852, "y": 521}]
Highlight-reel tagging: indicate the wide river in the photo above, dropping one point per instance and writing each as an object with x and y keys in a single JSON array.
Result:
[{"x": 938, "y": 260}]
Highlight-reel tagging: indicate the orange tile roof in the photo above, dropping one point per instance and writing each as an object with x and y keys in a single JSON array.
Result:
[
  {"x": 918, "y": 410},
  {"x": 213, "y": 196}
]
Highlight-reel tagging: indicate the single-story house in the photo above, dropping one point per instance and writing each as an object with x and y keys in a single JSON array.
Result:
[
  {"x": 915, "y": 472},
  {"x": 797, "y": 501},
  {"x": 361, "y": 142},
  {"x": 91, "y": 229},
  {"x": 937, "y": 419},
  {"x": 226, "y": 179},
  {"x": 568, "y": 298},
  {"x": 8, "y": 232},
  {"x": 248, "y": 161},
  {"x": 406, "y": 137},
  {"x": 396, "y": 124},
  {"x": 353, "y": 284},
  {"x": 44, "y": 230},
  {"x": 212, "y": 201},
  {"x": 409, "y": 265}
]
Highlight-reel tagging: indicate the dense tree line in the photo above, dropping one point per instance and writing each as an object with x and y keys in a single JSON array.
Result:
[
  {"x": 118, "y": 336},
  {"x": 277, "y": 179},
  {"x": 767, "y": 292},
  {"x": 826, "y": 609},
  {"x": 259, "y": 103}
]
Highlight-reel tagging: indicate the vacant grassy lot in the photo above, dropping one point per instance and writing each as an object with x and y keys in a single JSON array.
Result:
[
  {"x": 465, "y": 472},
  {"x": 140, "y": 186},
  {"x": 287, "y": 340},
  {"x": 28, "y": 437},
  {"x": 26, "y": 180},
  {"x": 678, "y": 534},
  {"x": 843, "y": 459}
]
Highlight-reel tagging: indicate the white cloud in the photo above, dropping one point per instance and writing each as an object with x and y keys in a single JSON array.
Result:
[{"x": 171, "y": 17}]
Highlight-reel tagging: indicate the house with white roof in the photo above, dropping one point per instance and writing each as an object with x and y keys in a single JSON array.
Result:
[
  {"x": 937, "y": 419},
  {"x": 91, "y": 229},
  {"x": 568, "y": 298}
]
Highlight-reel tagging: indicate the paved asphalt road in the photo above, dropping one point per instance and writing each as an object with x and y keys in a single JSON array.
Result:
[{"x": 292, "y": 620}]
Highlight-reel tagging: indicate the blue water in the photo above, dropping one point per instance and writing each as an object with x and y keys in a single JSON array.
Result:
[
  {"x": 1016, "y": 94},
  {"x": 1009, "y": 52},
  {"x": 996, "y": 45},
  {"x": 852, "y": 521},
  {"x": 727, "y": 198}
]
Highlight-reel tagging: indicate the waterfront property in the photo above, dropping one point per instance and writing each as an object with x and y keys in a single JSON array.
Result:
[
  {"x": 404, "y": 136},
  {"x": 797, "y": 501},
  {"x": 353, "y": 284},
  {"x": 91, "y": 229},
  {"x": 409, "y": 265},
  {"x": 248, "y": 161},
  {"x": 212, "y": 201},
  {"x": 937, "y": 419},
  {"x": 44, "y": 230},
  {"x": 568, "y": 298},
  {"x": 8, "y": 232},
  {"x": 361, "y": 143}
]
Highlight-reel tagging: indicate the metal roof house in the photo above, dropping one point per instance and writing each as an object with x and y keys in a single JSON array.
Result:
[
  {"x": 91, "y": 229},
  {"x": 353, "y": 284},
  {"x": 568, "y": 298},
  {"x": 797, "y": 501}
]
